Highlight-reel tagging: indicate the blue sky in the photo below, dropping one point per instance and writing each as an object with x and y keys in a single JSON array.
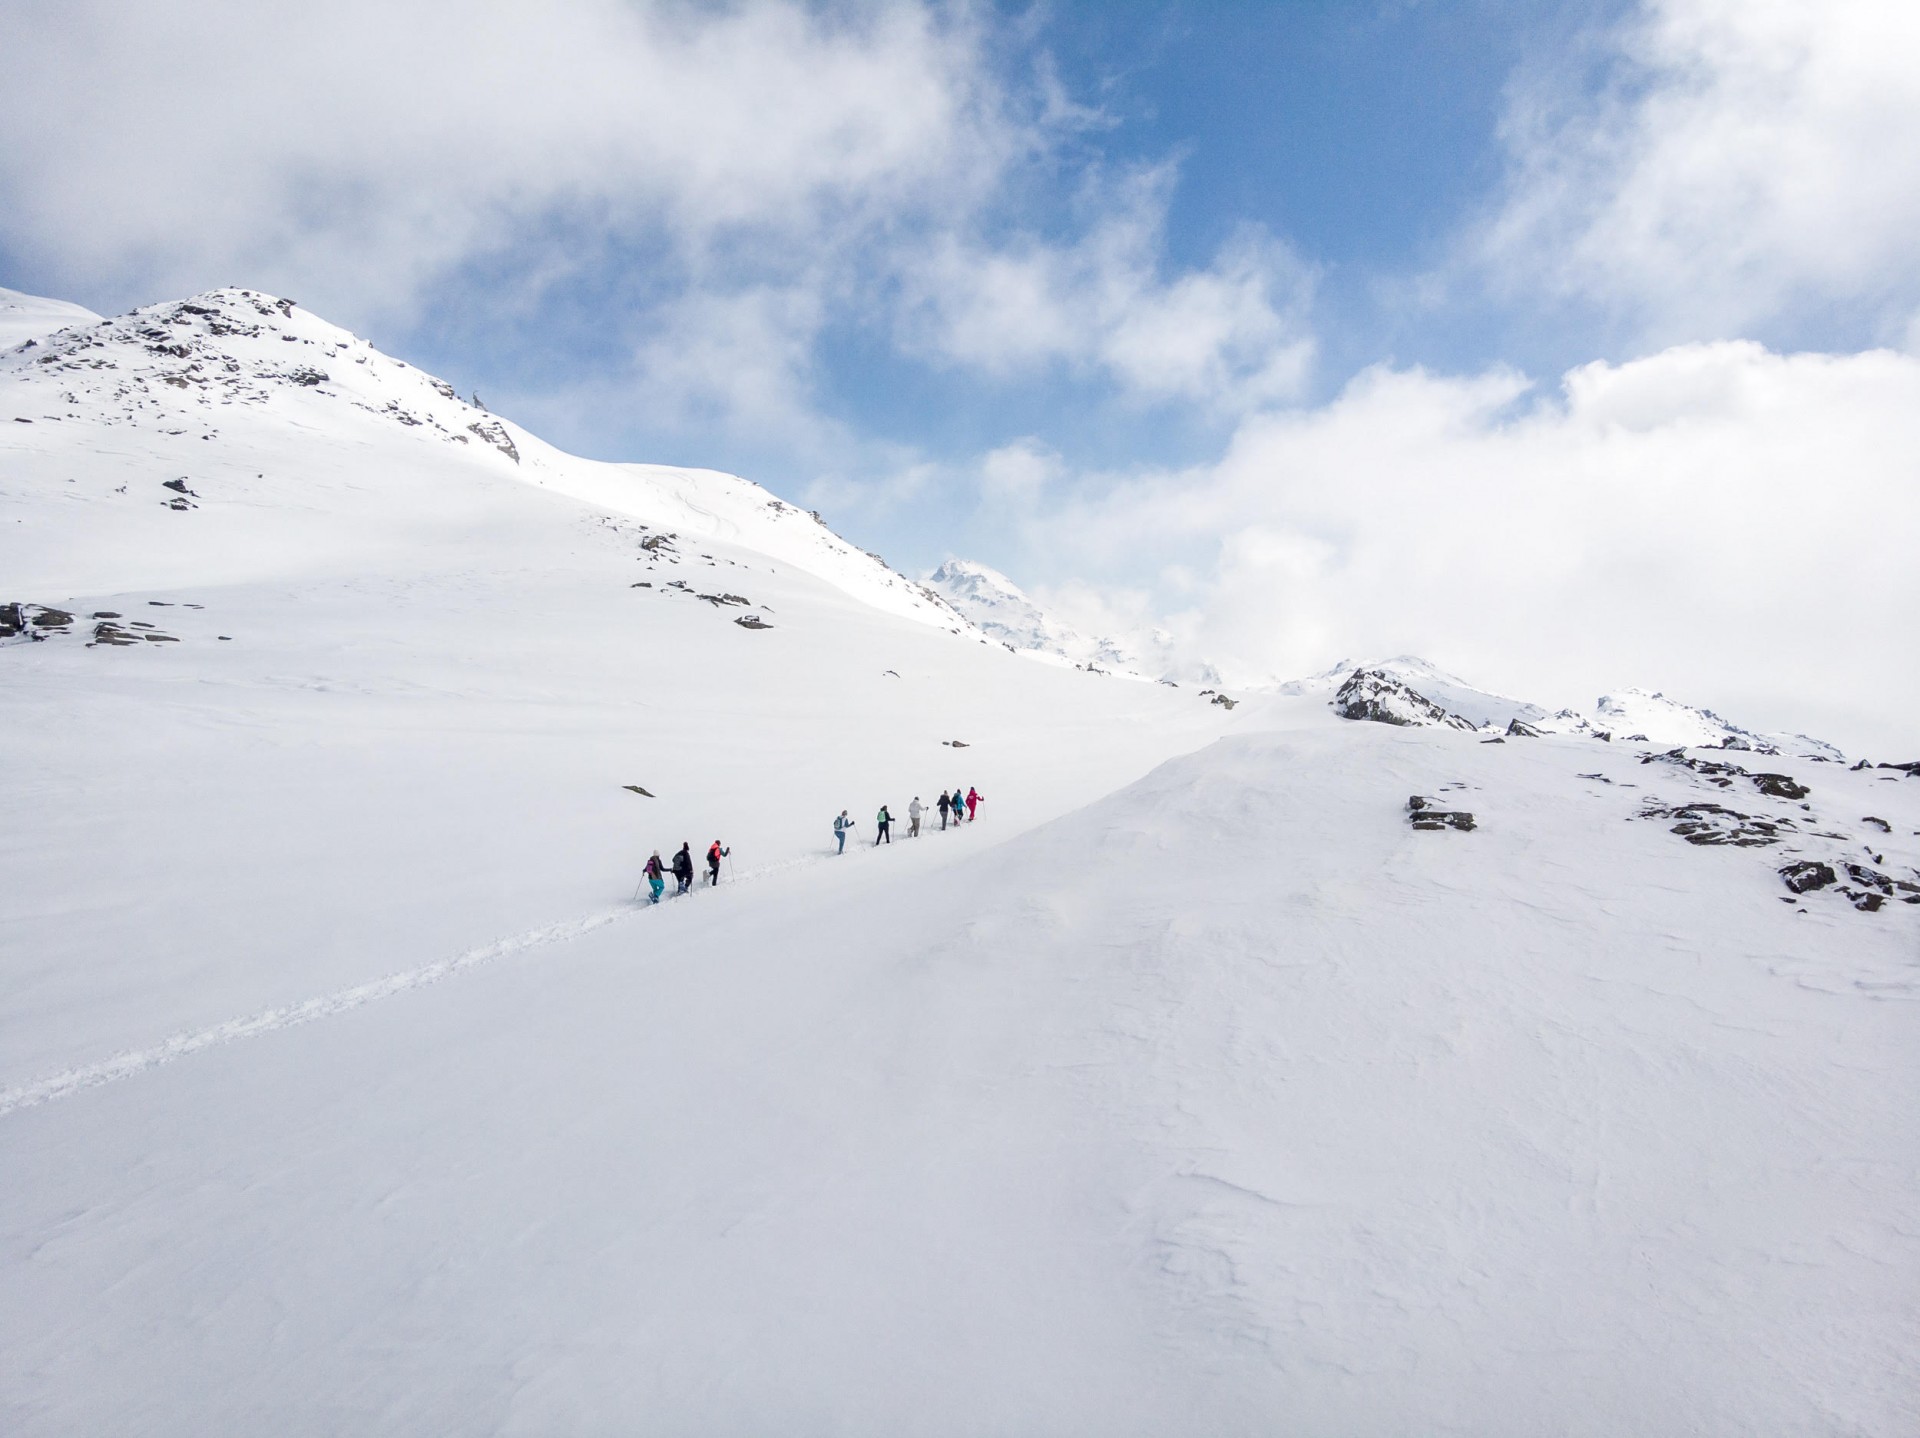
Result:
[{"x": 1210, "y": 317}]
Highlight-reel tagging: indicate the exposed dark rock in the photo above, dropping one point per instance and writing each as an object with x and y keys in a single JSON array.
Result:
[
  {"x": 1870, "y": 878},
  {"x": 1522, "y": 731},
  {"x": 308, "y": 377},
  {"x": 52, "y": 619},
  {"x": 1863, "y": 764},
  {"x": 1712, "y": 770},
  {"x": 12, "y": 620},
  {"x": 1219, "y": 699},
  {"x": 444, "y": 389},
  {"x": 179, "y": 486},
  {"x": 107, "y": 632},
  {"x": 159, "y": 638},
  {"x": 752, "y": 621},
  {"x": 644, "y": 793},
  {"x": 719, "y": 600},
  {"x": 492, "y": 432},
  {"x": 1807, "y": 875},
  {"x": 1715, "y": 824},
  {"x": 105, "y": 614},
  {"x": 1425, "y": 813},
  {"x": 1912, "y": 771},
  {"x": 1780, "y": 786},
  {"x": 956, "y": 743},
  {"x": 1881, "y": 824},
  {"x": 1372, "y": 695},
  {"x": 1496, "y": 739}
]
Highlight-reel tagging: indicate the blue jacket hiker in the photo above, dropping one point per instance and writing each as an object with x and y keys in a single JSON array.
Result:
[{"x": 840, "y": 827}]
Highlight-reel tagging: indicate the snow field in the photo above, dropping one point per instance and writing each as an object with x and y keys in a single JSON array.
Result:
[{"x": 1227, "y": 1101}]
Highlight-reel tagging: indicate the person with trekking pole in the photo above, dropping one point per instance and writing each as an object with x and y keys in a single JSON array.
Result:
[
  {"x": 714, "y": 856},
  {"x": 654, "y": 879},
  {"x": 683, "y": 868},
  {"x": 973, "y": 803},
  {"x": 944, "y": 805},
  {"x": 842, "y": 826},
  {"x": 914, "y": 811},
  {"x": 885, "y": 822}
]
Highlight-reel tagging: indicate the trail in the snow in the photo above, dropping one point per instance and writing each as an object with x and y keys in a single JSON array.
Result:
[{"x": 286, "y": 1016}]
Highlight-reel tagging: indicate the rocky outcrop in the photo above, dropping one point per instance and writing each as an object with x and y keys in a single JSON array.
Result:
[
  {"x": 1714, "y": 824},
  {"x": 1373, "y": 695}
]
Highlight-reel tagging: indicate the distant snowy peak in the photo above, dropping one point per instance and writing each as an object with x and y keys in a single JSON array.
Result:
[
  {"x": 1375, "y": 695},
  {"x": 244, "y": 368},
  {"x": 1639, "y": 714},
  {"x": 30, "y": 317},
  {"x": 1431, "y": 684},
  {"x": 1410, "y": 690},
  {"x": 1002, "y": 611}
]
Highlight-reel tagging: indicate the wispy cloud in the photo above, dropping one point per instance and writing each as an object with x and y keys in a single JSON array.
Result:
[
  {"x": 1230, "y": 336},
  {"x": 1741, "y": 161}
]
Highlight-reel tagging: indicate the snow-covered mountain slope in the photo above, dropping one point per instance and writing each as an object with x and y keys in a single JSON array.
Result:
[
  {"x": 344, "y": 1088},
  {"x": 1000, "y": 609},
  {"x": 26, "y": 317},
  {"x": 353, "y": 651},
  {"x": 1663, "y": 721},
  {"x": 208, "y": 392},
  {"x": 1631, "y": 714}
]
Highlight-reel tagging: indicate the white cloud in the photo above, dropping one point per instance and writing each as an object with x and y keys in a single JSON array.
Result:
[
  {"x": 357, "y": 151},
  {"x": 1748, "y": 160},
  {"x": 1730, "y": 524},
  {"x": 1231, "y": 336}
]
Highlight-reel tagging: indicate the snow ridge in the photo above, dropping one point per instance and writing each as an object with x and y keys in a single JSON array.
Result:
[{"x": 248, "y": 369}]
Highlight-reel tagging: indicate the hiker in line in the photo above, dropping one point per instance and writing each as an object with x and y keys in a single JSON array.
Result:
[
  {"x": 714, "y": 856},
  {"x": 959, "y": 807},
  {"x": 945, "y": 805},
  {"x": 683, "y": 868},
  {"x": 914, "y": 811},
  {"x": 656, "y": 878},
  {"x": 841, "y": 826},
  {"x": 885, "y": 821},
  {"x": 973, "y": 802}
]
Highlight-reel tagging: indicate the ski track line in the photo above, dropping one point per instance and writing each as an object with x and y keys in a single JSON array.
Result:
[{"x": 287, "y": 1016}]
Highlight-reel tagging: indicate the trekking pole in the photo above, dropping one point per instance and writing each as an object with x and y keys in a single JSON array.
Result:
[{"x": 639, "y": 886}]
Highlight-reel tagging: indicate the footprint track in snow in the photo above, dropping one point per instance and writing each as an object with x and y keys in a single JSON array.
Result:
[{"x": 286, "y": 1016}]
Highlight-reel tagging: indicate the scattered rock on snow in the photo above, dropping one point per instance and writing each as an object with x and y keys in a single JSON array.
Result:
[
  {"x": 1881, "y": 824},
  {"x": 752, "y": 621},
  {"x": 1522, "y": 731},
  {"x": 1714, "y": 824}
]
